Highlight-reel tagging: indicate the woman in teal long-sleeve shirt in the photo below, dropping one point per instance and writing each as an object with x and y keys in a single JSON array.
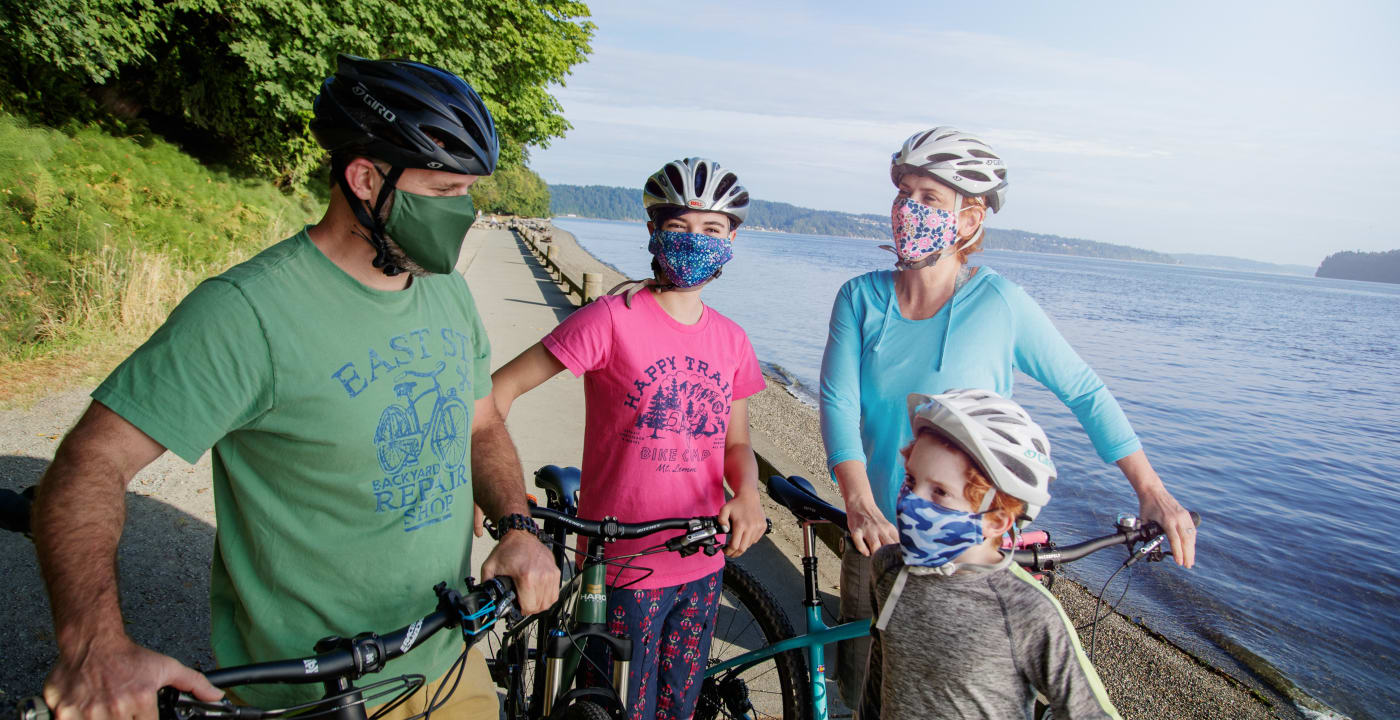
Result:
[{"x": 935, "y": 324}]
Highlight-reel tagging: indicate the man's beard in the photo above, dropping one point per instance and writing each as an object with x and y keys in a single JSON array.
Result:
[{"x": 399, "y": 258}]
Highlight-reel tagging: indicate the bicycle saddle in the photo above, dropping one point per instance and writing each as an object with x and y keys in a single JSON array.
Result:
[
  {"x": 797, "y": 494},
  {"x": 560, "y": 486}
]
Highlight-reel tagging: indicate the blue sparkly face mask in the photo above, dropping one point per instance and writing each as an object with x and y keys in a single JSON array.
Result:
[
  {"x": 688, "y": 259},
  {"x": 931, "y": 535}
]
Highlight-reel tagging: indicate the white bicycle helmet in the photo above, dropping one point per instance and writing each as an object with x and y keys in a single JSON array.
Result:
[
  {"x": 696, "y": 184},
  {"x": 958, "y": 159},
  {"x": 1009, "y": 447}
]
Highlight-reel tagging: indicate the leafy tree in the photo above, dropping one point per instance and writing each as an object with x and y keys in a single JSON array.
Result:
[
  {"x": 241, "y": 75},
  {"x": 515, "y": 190}
]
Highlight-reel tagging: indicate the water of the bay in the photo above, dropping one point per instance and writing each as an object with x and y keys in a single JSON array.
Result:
[{"x": 1267, "y": 402}]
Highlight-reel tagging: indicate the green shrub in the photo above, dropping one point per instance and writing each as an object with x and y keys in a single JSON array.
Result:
[{"x": 236, "y": 80}]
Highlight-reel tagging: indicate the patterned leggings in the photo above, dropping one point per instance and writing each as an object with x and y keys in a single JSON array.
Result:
[{"x": 670, "y": 630}]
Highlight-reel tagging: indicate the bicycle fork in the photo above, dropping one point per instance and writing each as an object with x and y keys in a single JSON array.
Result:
[{"x": 563, "y": 650}]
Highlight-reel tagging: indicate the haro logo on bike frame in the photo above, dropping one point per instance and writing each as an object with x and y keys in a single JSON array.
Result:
[{"x": 310, "y": 667}]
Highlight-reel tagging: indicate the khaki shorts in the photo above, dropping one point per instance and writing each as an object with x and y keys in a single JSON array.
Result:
[{"x": 474, "y": 699}]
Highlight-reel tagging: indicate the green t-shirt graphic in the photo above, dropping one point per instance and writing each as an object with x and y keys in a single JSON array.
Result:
[{"x": 339, "y": 418}]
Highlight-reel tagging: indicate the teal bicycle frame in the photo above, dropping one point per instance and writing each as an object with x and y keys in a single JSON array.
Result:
[{"x": 818, "y": 634}]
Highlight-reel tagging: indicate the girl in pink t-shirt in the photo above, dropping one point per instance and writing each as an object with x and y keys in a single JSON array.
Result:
[{"x": 666, "y": 382}]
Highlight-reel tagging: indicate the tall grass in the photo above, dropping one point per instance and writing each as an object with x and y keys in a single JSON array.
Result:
[{"x": 100, "y": 236}]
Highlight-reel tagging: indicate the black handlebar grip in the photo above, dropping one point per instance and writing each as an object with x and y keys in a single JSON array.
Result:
[
  {"x": 506, "y": 584},
  {"x": 14, "y": 512},
  {"x": 33, "y": 708}
]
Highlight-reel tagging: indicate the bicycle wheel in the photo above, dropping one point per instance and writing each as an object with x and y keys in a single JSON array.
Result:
[
  {"x": 511, "y": 657},
  {"x": 750, "y": 619}
]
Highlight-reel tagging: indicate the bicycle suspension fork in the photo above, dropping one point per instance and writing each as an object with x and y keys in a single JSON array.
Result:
[{"x": 562, "y": 650}]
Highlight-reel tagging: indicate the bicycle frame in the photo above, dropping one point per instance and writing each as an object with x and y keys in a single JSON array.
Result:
[{"x": 818, "y": 634}]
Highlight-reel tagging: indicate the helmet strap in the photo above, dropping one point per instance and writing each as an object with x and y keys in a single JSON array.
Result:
[{"x": 369, "y": 218}]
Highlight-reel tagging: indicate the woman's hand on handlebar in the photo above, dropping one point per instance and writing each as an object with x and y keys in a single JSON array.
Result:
[
  {"x": 116, "y": 679},
  {"x": 1160, "y": 507},
  {"x": 745, "y": 522},
  {"x": 522, "y": 557}
]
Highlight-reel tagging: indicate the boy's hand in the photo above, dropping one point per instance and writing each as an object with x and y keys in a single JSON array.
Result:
[{"x": 745, "y": 522}]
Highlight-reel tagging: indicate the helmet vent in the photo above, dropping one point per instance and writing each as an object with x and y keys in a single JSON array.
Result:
[
  {"x": 974, "y": 175},
  {"x": 740, "y": 200},
  {"x": 984, "y": 411},
  {"x": 1005, "y": 435},
  {"x": 1017, "y": 468},
  {"x": 701, "y": 175},
  {"x": 981, "y": 153},
  {"x": 1040, "y": 446},
  {"x": 725, "y": 182},
  {"x": 674, "y": 177},
  {"x": 941, "y": 157},
  {"x": 654, "y": 189}
]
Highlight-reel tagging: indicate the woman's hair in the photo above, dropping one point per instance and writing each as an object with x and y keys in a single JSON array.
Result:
[
  {"x": 1004, "y": 507},
  {"x": 976, "y": 245}
]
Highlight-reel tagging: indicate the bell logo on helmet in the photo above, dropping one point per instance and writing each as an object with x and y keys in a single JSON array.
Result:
[
  {"x": 363, "y": 93},
  {"x": 696, "y": 203}
]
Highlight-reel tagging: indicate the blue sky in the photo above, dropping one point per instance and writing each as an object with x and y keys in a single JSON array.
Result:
[{"x": 1262, "y": 130}]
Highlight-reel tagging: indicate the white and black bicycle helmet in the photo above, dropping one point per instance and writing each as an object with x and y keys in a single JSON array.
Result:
[
  {"x": 1009, "y": 447},
  {"x": 696, "y": 184},
  {"x": 962, "y": 161}
]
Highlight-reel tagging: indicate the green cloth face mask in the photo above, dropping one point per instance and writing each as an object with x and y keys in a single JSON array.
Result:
[{"x": 430, "y": 228}]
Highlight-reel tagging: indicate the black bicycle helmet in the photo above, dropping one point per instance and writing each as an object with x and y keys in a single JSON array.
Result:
[
  {"x": 408, "y": 114},
  {"x": 399, "y": 111}
]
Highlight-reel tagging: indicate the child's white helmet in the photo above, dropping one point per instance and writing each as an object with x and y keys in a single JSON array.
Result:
[
  {"x": 696, "y": 184},
  {"x": 962, "y": 161},
  {"x": 1009, "y": 447}
]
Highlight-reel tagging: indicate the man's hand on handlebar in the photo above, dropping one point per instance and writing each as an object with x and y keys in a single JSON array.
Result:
[
  {"x": 116, "y": 679},
  {"x": 743, "y": 516},
  {"x": 524, "y": 558}
]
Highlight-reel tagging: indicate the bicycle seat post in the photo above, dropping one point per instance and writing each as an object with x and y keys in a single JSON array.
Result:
[{"x": 809, "y": 563}]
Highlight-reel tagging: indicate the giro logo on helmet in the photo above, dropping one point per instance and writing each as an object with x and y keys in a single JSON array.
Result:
[
  {"x": 378, "y": 107},
  {"x": 434, "y": 165}
]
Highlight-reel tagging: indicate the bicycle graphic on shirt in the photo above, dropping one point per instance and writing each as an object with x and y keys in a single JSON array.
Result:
[{"x": 400, "y": 437}]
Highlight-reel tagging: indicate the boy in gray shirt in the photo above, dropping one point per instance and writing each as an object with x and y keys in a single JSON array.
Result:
[{"x": 962, "y": 632}]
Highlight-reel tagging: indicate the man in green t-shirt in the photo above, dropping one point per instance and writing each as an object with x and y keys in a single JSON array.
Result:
[{"x": 341, "y": 379}]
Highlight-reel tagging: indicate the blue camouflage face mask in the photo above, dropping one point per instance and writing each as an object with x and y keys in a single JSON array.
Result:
[
  {"x": 931, "y": 535},
  {"x": 688, "y": 259}
]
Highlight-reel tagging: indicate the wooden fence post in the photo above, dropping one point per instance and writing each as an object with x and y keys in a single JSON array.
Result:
[{"x": 592, "y": 286}]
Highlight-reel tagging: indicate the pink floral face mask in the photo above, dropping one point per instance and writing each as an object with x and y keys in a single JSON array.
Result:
[{"x": 920, "y": 231}]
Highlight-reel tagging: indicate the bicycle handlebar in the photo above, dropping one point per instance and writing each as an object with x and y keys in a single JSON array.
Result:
[
  {"x": 349, "y": 658},
  {"x": 1046, "y": 556},
  {"x": 611, "y": 529}
]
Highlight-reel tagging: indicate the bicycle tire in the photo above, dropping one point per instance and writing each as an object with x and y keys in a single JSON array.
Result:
[
  {"x": 585, "y": 710},
  {"x": 748, "y": 619}
]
